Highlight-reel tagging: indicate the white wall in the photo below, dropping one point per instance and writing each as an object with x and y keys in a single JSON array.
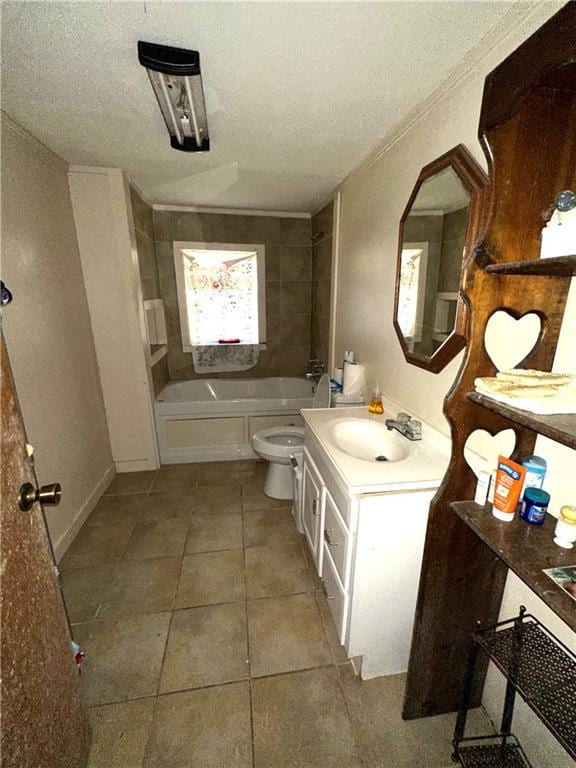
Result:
[
  {"x": 48, "y": 334},
  {"x": 373, "y": 199},
  {"x": 104, "y": 223}
]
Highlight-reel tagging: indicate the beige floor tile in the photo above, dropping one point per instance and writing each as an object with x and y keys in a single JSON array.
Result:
[
  {"x": 433, "y": 735},
  {"x": 376, "y": 710},
  {"x": 211, "y": 533},
  {"x": 206, "y": 646},
  {"x": 111, "y": 510},
  {"x": 250, "y": 471},
  {"x": 253, "y": 498},
  {"x": 277, "y": 571},
  {"x": 120, "y": 733},
  {"x": 175, "y": 479},
  {"x": 338, "y": 651},
  {"x": 123, "y": 658},
  {"x": 300, "y": 721},
  {"x": 84, "y": 590},
  {"x": 217, "y": 474},
  {"x": 221, "y": 500},
  {"x": 163, "y": 539},
  {"x": 269, "y": 527},
  {"x": 141, "y": 586},
  {"x": 286, "y": 634},
  {"x": 211, "y": 577},
  {"x": 160, "y": 507},
  {"x": 97, "y": 545},
  {"x": 208, "y": 728},
  {"x": 131, "y": 482}
]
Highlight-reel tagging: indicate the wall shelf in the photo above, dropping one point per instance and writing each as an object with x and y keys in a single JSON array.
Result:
[
  {"x": 527, "y": 550},
  {"x": 157, "y": 352},
  {"x": 561, "y": 427},
  {"x": 558, "y": 266},
  {"x": 491, "y": 752}
]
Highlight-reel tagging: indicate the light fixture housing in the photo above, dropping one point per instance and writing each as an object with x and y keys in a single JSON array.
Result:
[{"x": 177, "y": 82}]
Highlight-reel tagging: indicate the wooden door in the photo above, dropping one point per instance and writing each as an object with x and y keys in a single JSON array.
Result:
[{"x": 44, "y": 723}]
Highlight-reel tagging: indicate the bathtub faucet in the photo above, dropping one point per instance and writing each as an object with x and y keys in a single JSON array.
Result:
[
  {"x": 315, "y": 369},
  {"x": 406, "y": 425}
]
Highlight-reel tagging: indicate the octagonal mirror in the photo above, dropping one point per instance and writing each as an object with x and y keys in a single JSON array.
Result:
[{"x": 437, "y": 229}]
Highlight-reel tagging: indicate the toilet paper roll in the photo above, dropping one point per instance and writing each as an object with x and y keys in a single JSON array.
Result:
[
  {"x": 338, "y": 375},
  {"x": 354, "y": 379}
]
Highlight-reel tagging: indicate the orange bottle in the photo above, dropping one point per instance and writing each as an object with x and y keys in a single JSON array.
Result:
[{"x": 376, "y": 405}]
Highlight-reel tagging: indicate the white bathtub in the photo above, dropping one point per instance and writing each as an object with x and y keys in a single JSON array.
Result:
[{"x": 214, "y": 419}]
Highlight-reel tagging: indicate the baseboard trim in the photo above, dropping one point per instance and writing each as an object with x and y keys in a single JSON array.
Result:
[
  {"x": 69, "y": 535},
  {"x": 134, "y": 465}
]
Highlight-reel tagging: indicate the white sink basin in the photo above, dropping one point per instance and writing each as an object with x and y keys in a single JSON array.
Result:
[{"x": 368, "y": 440}]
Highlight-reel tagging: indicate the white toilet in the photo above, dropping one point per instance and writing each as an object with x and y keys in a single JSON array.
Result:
[{"x": 277, "y": 444}]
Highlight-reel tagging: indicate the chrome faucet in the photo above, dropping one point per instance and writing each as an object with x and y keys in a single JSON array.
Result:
[
  {"x": 406, "y": 425},
  {"x": 316, "y": 369}
]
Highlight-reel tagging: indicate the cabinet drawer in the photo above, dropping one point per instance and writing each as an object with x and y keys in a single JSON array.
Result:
[
  {"x": 337, "y": 539},
  {"x": 336, "y": 596}
]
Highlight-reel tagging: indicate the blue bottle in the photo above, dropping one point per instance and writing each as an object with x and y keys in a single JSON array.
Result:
[{"x": 535, "y": 467}]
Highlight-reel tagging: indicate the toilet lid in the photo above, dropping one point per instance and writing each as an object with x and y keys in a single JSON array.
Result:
[{"x": 322, "y": 394}]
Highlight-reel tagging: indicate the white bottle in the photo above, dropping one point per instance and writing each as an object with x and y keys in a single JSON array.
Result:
[{"x": 482, "y": 487}]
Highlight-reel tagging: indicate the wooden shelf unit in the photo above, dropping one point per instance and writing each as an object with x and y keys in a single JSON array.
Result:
[
  {"x": 527, "y": 550},
  {"x": 559, "y": 427},
  {"x": 529, "y": 102},
  {"x": 560, "y": 266}
]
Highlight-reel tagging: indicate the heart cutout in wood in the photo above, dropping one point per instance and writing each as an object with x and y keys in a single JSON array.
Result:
[
  {"x": 482, "y": 449},
  {"x": 508, "y": 340}
]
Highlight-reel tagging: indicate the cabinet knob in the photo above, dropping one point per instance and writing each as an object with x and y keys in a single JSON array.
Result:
[
  {"x": 325, "y": 590},
  {"x": 315, "y": 507},
  {"x": 327, "y": 539}
]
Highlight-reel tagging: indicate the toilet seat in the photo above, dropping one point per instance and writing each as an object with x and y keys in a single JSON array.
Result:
[{"x": 278, "y": 442}]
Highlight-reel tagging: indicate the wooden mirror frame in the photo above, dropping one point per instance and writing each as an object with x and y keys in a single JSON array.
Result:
[{"x": 475, "y": 181}]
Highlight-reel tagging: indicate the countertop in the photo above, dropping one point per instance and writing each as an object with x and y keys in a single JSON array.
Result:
[{"x": 422, "y": 469}]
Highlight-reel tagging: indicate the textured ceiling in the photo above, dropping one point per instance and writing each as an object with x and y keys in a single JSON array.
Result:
[{"x": 297, "y": 93}]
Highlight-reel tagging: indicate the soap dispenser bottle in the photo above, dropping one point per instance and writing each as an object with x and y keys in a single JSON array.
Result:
[{"x": 376, "y": 405}]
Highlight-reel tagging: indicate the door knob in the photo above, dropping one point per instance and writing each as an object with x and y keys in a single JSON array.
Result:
[{"x": 47, "y": 494}]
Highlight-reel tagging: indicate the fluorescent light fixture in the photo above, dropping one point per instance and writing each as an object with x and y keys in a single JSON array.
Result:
[{"x": 177, "y": 82}]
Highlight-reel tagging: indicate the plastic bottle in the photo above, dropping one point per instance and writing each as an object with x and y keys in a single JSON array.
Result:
[
  {"x": 376, "y": 405},
  {"x": 535, "y": 467},
  {"x": 565, "y": 531},
  {"x": 482, "y": 488}
]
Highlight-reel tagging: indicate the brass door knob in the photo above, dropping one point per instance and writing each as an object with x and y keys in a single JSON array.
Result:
[{"x": 47, "y": 494}]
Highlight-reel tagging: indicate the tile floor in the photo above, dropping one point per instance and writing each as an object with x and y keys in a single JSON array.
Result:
[{"x": 209, "y": 644}]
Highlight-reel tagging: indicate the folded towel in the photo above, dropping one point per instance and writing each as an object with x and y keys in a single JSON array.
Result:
[
  {"x": 529, "y": 377},
  {"x": 537, "y": 398}
]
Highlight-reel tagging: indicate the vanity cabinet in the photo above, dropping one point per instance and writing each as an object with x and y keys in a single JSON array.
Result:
[
  {"x": 312, "y": 508},
  {"x": 367, "y": 549}
]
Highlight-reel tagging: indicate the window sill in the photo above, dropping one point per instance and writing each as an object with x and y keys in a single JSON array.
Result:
[{"x": 190, "y": 348}]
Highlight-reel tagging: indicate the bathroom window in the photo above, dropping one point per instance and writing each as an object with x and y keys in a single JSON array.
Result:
[
  {"x": 220, "y": 294},
  {"x": 413, "y": 270}
]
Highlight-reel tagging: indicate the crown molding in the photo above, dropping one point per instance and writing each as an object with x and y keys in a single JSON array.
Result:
[
  {"x": 232, "y": 211},
  {"x": 29, "y": 138}
]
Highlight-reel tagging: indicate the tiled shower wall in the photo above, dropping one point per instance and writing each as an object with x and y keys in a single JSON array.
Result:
[
  {"x": 321, "y": 282},
  {"x": 288, "y": 284},
  {"x": 148, "y": 266}
]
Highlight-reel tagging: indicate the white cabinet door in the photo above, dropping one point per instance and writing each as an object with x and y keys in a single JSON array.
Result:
[{"x": 313, "y": 509}]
